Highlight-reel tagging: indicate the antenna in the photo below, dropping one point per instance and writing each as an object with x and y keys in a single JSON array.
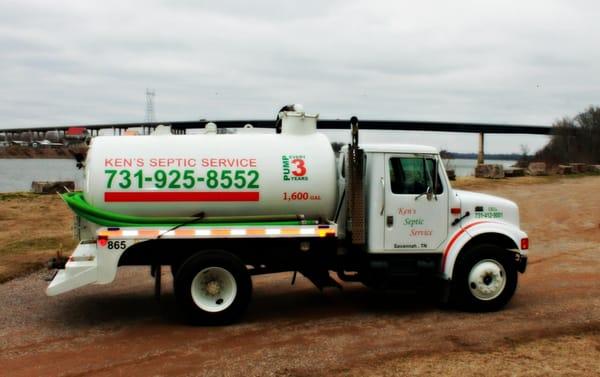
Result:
[{"x": 150, "y": 105}]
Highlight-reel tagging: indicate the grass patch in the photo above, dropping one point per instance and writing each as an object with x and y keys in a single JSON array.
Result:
[
  {"x": 475, "y": 183},
  {"x": 17, "y": 195},
  {"x": 580, "y": 175},
  {"x": 34, "y": 244},
  {"x": 32, "y": 229}
]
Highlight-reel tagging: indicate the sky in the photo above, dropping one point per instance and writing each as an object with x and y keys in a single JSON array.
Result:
[{"x": 516, "y": 62}]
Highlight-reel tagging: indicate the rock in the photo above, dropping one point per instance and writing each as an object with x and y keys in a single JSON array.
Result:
[
  {"x": 537, "y": 168},
  {"x": 578, "y": 167},
  {"x": 514, "y": 172},
  {"x": 46, "y": 187},
  {"x": 451, "y": 174},
  {"x": 564, "y": 169},
  {"x": 493, "y": 171}
]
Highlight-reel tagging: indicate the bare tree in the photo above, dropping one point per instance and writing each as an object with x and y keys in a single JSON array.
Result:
[{"x": 574, "y": 140}]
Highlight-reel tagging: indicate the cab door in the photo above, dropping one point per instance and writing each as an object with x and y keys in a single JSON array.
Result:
[{"x": 416, "y": 203}]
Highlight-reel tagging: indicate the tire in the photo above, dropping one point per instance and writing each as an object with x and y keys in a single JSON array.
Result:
[
  {"x": 213, "y": 288},
  {"x": 485, "y": 278},
  {"x": 175, "y": 266}
]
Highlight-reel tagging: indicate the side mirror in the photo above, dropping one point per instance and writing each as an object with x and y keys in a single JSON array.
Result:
[{"x": 429, "y": 193}]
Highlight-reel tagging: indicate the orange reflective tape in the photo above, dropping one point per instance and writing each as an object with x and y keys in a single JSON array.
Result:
[
  {"x": 220, "y": 232},
  {"x": 255, "y": 232},
  {"x": 326, "y": 232},
  {"x": 290, "y": 231},
  {"x": 148, "y": 233},
  {"x": 185, "y": 232}
]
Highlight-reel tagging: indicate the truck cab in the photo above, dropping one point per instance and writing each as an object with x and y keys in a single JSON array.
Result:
[{"x": 418, "y": 226}]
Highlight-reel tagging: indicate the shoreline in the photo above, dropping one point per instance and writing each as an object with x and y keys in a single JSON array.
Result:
[
  {"x": 25, "y": 153},
  {"x": 58, "y": 157}
]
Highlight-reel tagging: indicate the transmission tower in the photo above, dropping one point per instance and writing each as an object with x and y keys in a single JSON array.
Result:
[{"x": 150, "y": 106}]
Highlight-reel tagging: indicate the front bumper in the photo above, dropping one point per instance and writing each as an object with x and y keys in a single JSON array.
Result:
[
  {"x": 522, "y": 263},
  {"x": 81, "y": 269}
]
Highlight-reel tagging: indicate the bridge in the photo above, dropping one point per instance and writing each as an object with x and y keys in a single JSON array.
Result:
[{"x": 181, "y": 127}]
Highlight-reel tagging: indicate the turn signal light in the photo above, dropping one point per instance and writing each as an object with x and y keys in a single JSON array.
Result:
[{"x": 524, "y": 243}]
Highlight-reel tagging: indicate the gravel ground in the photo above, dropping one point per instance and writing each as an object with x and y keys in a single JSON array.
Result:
[{"x": 551, "y": 327}]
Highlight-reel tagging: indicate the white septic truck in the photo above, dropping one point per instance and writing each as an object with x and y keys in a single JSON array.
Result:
[{"x": 221, "y": 208}]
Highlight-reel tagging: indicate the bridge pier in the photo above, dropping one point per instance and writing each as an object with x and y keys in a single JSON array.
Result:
[{"x": 480, "y": 153}]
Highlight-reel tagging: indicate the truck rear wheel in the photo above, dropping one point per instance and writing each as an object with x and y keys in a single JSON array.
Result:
[
  {"x": 213, "y": 288},
  {"x": 485, "y": 278}
]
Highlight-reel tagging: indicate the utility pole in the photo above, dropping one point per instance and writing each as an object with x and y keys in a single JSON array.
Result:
[{"x": 150, "y": 118}]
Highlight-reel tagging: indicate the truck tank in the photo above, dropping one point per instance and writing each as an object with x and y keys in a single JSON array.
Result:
[{"x": 211, "y": 175}]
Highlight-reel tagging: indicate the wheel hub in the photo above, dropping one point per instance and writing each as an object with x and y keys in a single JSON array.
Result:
[
  {"x": 487, "y": 279},
  {"x": 213, "y": 289}
]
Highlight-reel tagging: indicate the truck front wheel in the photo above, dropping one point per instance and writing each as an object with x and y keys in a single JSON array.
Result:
[
  {"x": 213, "y": 288},
  {"x": 485, "y": 278}
]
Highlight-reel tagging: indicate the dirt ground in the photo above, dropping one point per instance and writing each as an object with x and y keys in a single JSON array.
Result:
[{"x": 551, "y": 327}]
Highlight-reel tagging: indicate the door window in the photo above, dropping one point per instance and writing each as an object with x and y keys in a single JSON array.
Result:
[{"x": 412, "y": 175}]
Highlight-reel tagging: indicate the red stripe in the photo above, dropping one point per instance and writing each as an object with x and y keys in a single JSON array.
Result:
[
  {"x": 454, "y": 240},
  {"x": 185, "y": 196}
]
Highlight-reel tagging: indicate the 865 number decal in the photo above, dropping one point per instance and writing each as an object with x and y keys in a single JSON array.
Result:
[{"x": 116, "y": 245}]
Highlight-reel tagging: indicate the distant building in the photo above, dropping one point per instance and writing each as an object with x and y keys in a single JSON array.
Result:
[{"x": 75, "y": 135}]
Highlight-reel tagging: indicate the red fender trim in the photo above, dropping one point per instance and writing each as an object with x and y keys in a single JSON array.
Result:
[{"x": 454, "y": 238}]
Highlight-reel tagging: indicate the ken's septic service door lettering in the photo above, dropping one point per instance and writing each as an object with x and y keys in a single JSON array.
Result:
[{"x": 411, "y": 223}]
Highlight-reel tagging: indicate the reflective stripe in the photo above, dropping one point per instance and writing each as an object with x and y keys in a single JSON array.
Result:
[
  {"x": 149, "y": 233},
  {"x": 326, "y": 232},
  {"x": 219, "y": 232},
  {"x": 81, "y": 258},
  {"x": 185, "y": 232}
]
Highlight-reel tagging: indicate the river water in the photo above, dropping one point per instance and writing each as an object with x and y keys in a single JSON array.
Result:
[{"x": 17, "y": 174}]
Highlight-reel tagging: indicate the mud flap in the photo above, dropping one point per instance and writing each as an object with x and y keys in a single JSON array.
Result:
[
  {"x": 81, "y": 269},
  {"x": 445, "y": 291}
]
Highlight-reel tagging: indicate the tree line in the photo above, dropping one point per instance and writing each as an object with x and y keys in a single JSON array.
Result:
[{"x": 574, "y": 140}]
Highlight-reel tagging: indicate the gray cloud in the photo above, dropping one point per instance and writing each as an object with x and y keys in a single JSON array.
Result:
[{"x": 69, "y": 62}]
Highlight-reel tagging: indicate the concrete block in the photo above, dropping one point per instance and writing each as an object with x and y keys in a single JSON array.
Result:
[
  {"x": 514, "y": 172},
  {"x": 579, "y": 167},
  {"x": 537, "y": 168},
  {"x": 451, "y": 174},
  {"x": 594, "y": 168},
  {"x": 46, "y": 187},
  {"x": 564, "y": 169},
  {"x": 493, "y": 171}
]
